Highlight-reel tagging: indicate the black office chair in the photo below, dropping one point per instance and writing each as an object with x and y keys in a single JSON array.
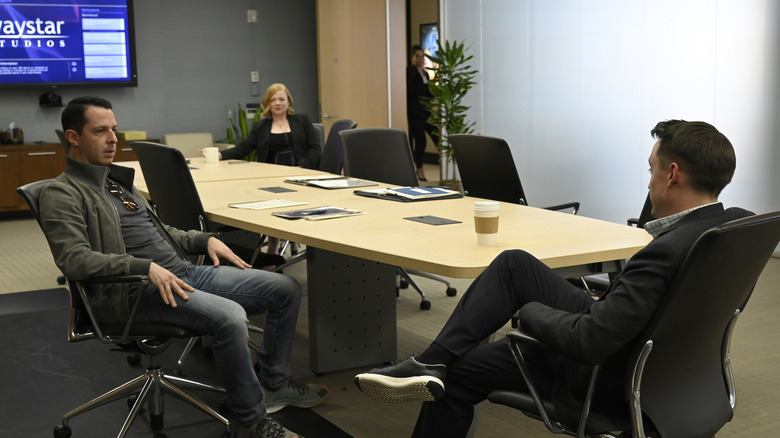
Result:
[
  {"x": 66, "y": 145},
  {"x": 379, "y": 154},
  {"x": 487, "y": 170},
  {"x": 178, "y": 204},
  {"x": 320, "y": 130},
  {"x": 679, "y": 379},
  {"x": 384, "y": 155},
  {"x": 331, "y": 159},
  {"x": 645, "y": 216},
  {"x": 63, "y": 139},
  {"x": 152, "y": 338}
]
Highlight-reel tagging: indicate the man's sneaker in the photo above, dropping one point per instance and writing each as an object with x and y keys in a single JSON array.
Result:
[
  {"x": 267, "y": 427},
  {"x": 406, "y": 381},
  {"x": 302, "y": 395}
]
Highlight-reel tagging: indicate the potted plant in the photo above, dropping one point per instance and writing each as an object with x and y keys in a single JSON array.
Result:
[
  {"x": 237, "y": 132},
  {"x": 453, "y": 78}
]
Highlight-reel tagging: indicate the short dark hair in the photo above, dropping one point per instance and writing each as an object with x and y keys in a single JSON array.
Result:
[
  {"x": 415, "y": 48},
  {"x": 73, "y": 116},
  {"x": 703, "y": 152}
]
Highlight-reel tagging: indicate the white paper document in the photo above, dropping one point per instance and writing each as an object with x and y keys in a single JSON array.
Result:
[
  {"x": 329, "y": 181},
  {"x": 262, "y": 205}
]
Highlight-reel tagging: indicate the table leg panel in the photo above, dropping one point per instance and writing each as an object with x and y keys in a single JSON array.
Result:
[{"x": 352, "y": 311}]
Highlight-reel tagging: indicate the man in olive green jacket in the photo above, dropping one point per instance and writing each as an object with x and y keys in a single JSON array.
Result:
[{"x": 98, "y": 224}]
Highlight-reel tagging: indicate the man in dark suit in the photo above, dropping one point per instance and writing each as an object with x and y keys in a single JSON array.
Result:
[{"x": 690, "y": 164}]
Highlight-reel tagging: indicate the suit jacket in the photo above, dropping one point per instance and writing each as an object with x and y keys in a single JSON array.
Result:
[
  {"x": 415, "y": 89},
  {"x": 306, "y": 144},
  {"x": 605, "y": 332}
]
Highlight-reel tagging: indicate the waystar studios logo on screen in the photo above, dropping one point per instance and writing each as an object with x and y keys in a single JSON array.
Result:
[{"x": 31, "y": 33}]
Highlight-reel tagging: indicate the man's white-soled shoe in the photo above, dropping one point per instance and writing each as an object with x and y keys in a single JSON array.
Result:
[{"x": 406, "y": 381}]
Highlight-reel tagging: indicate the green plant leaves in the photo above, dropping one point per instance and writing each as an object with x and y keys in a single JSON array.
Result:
[
  {"x": 453, "y": 78},
  {"x": 236, "y": 133}
]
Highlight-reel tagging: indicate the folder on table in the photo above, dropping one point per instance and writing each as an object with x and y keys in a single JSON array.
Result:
[
  {"x": 328, "y": 181},
  {"x": 410, "y": 194},
  {"x": 317, "y": 213}
]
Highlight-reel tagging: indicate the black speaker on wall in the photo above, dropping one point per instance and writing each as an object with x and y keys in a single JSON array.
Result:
[{"x": 50, "y": 99}]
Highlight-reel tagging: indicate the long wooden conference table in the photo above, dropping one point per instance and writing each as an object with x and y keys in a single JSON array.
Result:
[
  {"x": 351, "y": 261},
  {"x": 224, "y": 171}
]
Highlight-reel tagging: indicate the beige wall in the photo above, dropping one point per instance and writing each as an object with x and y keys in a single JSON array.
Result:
[
  {"x": 421, "y": 12},
  {"x": 375, "y": 56},
  {"x": 398, "y": 61},
  {"x": 361, "y": 61}
]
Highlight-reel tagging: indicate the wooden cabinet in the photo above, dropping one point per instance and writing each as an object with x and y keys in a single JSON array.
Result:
[
  {"x": 21, "y": 164},
  {"x": 9, "y": 180},
  {"x": 125, "y": 153},
  {"x": 35, "y": 165}
]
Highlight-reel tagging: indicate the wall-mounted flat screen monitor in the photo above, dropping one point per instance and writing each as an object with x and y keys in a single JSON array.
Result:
[
  {"x": 67, "y": 42},
  {"x": 429, "y": 41}
]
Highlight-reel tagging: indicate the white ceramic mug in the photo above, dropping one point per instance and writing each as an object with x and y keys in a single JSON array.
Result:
[{"x": 211, "y": 154}]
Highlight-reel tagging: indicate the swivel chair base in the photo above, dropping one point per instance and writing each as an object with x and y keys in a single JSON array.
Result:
[
  {"x": 149, "y": 388},
  {"x": 406, "y": 281}
]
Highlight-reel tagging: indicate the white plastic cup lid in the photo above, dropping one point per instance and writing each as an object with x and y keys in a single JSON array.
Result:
[{"x": 487, "y": 205}]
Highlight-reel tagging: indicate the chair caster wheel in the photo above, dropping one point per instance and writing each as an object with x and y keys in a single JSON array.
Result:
[
  {"x": 403, "y": 284},
  {"x": 62, "y": 432},
  {"x": 425, "y": 305},
  {"x": 134, "y": 359},
  {"x": 451, "y": 291},
  {"x": 61, "y": 279},
  {"x": 131, "y": 401},
  {"x": 157, "y": 421},
  {"x": 224, "y": 409}
]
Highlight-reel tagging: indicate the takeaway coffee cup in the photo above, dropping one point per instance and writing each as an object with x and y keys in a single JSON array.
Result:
[
  {"x": 486, "y": 221},
  {"x": 211, "y": 154}
]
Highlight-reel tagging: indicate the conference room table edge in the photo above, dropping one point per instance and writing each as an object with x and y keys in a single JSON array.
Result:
[
  {"x": 584, "y": 259},
  {"x": 233, "y": 175}
]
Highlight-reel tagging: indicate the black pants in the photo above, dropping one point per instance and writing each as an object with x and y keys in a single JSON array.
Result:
[
  {"x": 418, "y": 126},
  {"x": 513, "y": 279}
]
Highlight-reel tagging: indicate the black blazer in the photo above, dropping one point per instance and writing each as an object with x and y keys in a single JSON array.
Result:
[
  {"x": 415, "y": 89},
  {"x": 306, "y": 146},
  {"x": 605, "y": 332}
]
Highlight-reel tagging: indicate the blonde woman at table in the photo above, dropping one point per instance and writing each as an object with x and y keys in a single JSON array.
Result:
[{"x": 280, "y": 137}]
